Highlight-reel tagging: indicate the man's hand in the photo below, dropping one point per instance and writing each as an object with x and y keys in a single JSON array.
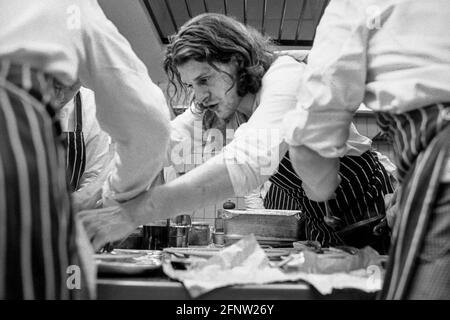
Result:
[
  {"x": 320, "y": 176},
  {"x": 106, "y": 225},
  {"x": 86, "y": 199},
  {"x": 391, "y": 202},
  {"x": 115, "y": 223}
]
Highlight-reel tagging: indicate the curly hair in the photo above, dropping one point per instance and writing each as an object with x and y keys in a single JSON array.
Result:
[{"x": 216, "y": 38}]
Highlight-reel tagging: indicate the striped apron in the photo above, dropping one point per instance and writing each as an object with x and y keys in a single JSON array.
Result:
[
  {"x": 277, "y": 199},
  {"x": 75, "y": 147},
  {"x": 419, "y": 259},
  {"x": 38, "y": 248},
  {"x": 359, "y": 202}
]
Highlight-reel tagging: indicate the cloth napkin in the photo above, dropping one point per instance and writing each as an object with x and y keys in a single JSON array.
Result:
[{"x": 245, "y": 262}]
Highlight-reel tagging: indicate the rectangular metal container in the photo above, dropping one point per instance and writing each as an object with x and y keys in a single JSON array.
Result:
[{"x": 276, "y": 224}]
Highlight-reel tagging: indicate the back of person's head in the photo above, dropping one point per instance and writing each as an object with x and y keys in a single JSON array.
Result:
[{"x": 216, "y": 38}]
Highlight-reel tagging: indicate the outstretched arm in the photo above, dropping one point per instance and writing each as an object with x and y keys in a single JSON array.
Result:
[{"x": 203, "y": 186}]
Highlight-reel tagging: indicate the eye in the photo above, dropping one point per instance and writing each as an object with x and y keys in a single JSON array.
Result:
[{"x": 203, "y": 81}]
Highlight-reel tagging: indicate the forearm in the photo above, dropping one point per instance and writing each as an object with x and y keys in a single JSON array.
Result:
[
  {"x": 203, "y": 186},
  {"x": 320, "y": 176}
]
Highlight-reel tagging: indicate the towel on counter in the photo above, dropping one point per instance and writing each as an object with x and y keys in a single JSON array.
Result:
[{"x": 245, "y": 262}]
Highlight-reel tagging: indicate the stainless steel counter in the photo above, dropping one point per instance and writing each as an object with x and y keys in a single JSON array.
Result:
[{"x": 160, "y": 288}]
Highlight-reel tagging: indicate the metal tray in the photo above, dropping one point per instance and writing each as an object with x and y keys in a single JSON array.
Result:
[
  {"x": 128, "y": 262},
  {"x": 263, "y": 241},
  {"x": 210, "y": 251},
  {"x": 279, "y": 225}
]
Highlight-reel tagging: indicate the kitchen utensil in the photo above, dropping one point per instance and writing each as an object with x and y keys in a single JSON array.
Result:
[
  {"x": 200, "y": 234},
  {"x": 178, "y": 236},
  {"x": 332, "y": 221},
  {"x": 155, "y": 237},
  {"x": 219, "y": 238}
]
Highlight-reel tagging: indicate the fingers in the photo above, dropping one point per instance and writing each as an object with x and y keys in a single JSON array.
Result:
[
  {"x": 93, "y": 227},
  {"x": 391, "y": 214},
  {"x": 106, "y": 225},
  {"x": 86, "y": 199},
  {"x": 98, "y": 241},
  {"x": 94, "y": 221},
  {"x": 100, "y": 233}
]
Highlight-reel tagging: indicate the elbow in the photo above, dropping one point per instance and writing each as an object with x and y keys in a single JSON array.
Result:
[{"x": 320, "y": 176}]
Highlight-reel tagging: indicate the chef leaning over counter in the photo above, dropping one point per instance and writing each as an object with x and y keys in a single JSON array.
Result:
[
  {"x": 398, "y": 64},
  {"x": 230, "y": 68},
  {"x": 61, "y": 41}
]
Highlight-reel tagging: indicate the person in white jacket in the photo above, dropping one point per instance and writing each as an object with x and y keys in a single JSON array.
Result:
[
  {"x": 60, "y": 42},
  {"x": 231, "y": 68},
  {"x": 393, "y": 56}
]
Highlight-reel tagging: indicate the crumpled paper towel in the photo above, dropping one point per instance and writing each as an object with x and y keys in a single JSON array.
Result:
[{"x": 245, "y": 262}]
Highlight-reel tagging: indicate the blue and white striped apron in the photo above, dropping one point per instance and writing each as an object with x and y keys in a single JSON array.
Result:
[
  {"x": 37, "y": 226},
  {"x": 359, "y": 202},
  {"x": 419, "y": 260}
]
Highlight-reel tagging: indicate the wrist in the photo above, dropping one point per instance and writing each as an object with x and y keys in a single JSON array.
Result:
[{"x": 155, "y": 206}]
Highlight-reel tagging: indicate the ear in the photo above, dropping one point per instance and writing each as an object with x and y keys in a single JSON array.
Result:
[
  {"x": 77, "y": 85},
  {"x": 236, "y": 61}
]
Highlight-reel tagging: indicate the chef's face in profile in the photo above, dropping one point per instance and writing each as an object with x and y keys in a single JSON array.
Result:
[
  {"x": 214, "y": 86},
  {"x": 65, "y": 93}
]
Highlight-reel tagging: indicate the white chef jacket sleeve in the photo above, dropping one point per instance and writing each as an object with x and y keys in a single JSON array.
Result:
[
  {"x": 258, "y": 146},
  {"x": 185, "y": 147},
  {"x": 130, "y": 107},
  {"x": 334, "y": 81}
]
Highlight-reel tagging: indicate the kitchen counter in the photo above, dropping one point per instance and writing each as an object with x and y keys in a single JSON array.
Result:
[{"x": 159, "y": 287}]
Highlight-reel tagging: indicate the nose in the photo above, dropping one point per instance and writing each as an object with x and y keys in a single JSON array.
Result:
[{"x": 201, "y": 95}]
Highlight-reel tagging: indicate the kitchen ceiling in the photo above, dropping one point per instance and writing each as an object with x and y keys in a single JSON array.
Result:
[
  {"x": 288, "y": 22},
  {"x": 147, "y": 23}
]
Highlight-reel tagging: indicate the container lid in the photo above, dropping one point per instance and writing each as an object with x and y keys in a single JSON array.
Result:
[{"x": 267, "y": 212}]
